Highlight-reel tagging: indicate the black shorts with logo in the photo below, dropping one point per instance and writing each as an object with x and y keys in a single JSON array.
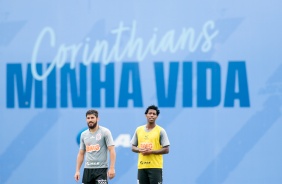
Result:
[
  {"x": 95, "y": 176},
  {"x": 150, "y": 176}
]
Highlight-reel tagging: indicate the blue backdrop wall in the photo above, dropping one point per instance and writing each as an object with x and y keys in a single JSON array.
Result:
[{"x": 213, "y": 67}]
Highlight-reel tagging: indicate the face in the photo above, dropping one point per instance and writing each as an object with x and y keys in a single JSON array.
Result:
[
  {"x": 91, "y": 121},
  {"x": 151, "y": 116}
]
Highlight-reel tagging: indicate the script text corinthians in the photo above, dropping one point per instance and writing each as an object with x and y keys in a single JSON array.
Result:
[{"x": 124, "y": 46}]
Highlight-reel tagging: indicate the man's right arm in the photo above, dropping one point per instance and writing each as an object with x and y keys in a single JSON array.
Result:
[
  {"x": 135, "y": 149},
  {"x": 134, "y": 143},
  {"x": 79, "y": 161}
]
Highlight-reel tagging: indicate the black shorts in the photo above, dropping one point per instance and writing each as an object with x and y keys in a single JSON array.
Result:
[
  {"x": 95, "y": 176},
  {"x": 150, "y": 176}
]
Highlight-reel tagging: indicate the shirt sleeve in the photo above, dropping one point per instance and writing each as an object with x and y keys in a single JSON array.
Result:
[
  {"x": 164, "y": 138},
  {"x": 82, "y": 144},
  {"x": 134, "y": 140},
  {"x": 109, "y": 138}
]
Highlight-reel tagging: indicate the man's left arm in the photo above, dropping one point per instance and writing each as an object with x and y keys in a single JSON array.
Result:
[{"x": 111, "y": 172}]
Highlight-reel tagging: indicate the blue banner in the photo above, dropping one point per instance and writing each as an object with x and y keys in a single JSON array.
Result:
[{"x": 213, "y": 68}]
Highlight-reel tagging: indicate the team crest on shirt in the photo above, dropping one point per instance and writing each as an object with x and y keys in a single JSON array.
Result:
[{"x": 98, "y": 137}]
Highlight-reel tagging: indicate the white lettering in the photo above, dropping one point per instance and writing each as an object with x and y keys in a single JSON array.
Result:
[
  {"x": 134, "y": 47},
  {"x": 34, "y": 59}
]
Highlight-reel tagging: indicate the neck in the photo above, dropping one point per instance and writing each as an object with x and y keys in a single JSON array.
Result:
[
  {"x": 150, "y": 125},
  {"x": 92, "y": 130}
]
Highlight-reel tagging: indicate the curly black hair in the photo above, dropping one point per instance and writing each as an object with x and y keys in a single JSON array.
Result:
[{"x": 154, "y": 108}]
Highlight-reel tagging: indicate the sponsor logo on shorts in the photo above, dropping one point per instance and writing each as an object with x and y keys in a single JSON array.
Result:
[{"x": 102, "y": 181}]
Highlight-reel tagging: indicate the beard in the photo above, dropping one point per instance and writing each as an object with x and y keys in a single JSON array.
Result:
[{"x": 92, "y": 126}]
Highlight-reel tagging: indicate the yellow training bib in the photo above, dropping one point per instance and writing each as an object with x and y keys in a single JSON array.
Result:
[{"x": 149, "y": 140}]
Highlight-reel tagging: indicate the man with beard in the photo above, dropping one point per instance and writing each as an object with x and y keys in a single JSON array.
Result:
[
  {"x": 94, "y": 143},
  {"x": 150, "y": 141}
]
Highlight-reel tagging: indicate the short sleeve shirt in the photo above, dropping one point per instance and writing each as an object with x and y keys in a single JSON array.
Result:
[{"x": 96, "y": 147}]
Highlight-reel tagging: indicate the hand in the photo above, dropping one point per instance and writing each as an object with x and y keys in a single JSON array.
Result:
[
  {"x": 111, "y": 173},
  {"x": 77, "y": 176},
  {"x": 145, "y": 151}
]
